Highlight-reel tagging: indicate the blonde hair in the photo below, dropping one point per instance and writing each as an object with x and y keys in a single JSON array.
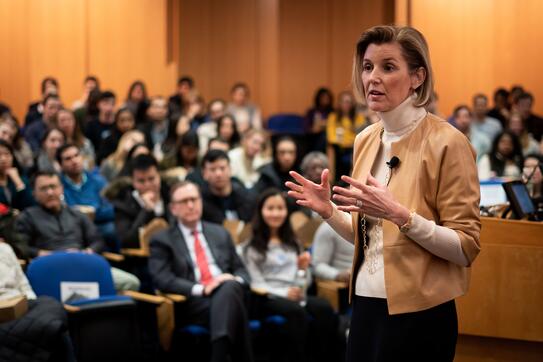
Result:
[
  {"x": 118, "y": 157},
  {"x": 414, "y": 49}
]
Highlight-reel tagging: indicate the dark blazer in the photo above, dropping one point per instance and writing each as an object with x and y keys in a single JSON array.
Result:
[
  {"x": 171, "y": 266},
  {"x": 130, "y": 216}
]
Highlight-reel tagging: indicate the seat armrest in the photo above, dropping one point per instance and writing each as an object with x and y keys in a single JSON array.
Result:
[
  {"x": 259, "y": 291},
  {"x": 71, "y": 308},
  {"x": 144, "y": 297},
  {"x": 176, "y": 298},
  {"x": 113, "y": 256},
  {"x": 135, "y": 252}
]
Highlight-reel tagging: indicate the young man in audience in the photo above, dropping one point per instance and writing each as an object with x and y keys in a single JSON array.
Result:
[
  {"x": 195, "y": 175},
  {"x": 49, "y": 85},
  {"x": 144, "y": 201},
  {"x": 34, "y": 132},
  {"x": 82, "y": 188},
  {"x": 52, "y": 226},
  {"x": 198, "y": 259},
  {"x": 463, "y": 121},
  {"x": 489, "y": 126},
  {"x": 157, "y": 128},
  {"x": 100, "y": 127},
  {"x": 223, "y": 196},
  {"x": 532, "y": 122},
  {"x": 177, "y": 102}
]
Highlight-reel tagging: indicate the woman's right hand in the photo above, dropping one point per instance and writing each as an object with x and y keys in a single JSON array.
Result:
[
  {"x": 294, "y": 293},
  {"x": 312, "y": 195}
]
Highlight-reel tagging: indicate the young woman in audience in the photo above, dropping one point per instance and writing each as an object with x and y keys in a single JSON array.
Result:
[
  {"x": 532, "y": 175},
  {"x": 114, "y": 163},
  {"x": 505, "y": 158},
  {"x": 274, "y": 260},
  {"x": 249, "y": 157},
  {"x": 137, "y": 100},
  {"x": 342, "y": 127},
  {"x": 246, "y": 114},
  {"x": 11, "y": 133},
  {"x": 66, "y": 122},
  {"x": 185, "y": 154},
  {"x": 315, "y": 119},
  {"x": 14, "y": 189},
  {"x": 194, "y": 116},
  {"x": 124, "y": 122},
  {"x": 228, "y": 130},
  {"x": 276, "y": 173},
  {"x": 135, "y": 151},
  {"x": 91, "y": 83},
  {"x": 51, "y": 142},
  {"x": 528, "y": 143}
]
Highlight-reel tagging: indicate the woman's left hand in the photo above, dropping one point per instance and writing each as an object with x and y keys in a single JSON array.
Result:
[
  {"x": 14, "y": 175},
  {"x": 372, "y": 199}
]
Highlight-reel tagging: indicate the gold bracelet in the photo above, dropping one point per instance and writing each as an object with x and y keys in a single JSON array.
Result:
[{"x": 405, "y": 227}]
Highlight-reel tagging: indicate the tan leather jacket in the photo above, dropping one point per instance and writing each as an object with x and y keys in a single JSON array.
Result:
[{"x": 436, "y": 178}]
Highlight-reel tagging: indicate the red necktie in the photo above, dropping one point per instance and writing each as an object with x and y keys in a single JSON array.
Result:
[{"x": 201, "y": 260}]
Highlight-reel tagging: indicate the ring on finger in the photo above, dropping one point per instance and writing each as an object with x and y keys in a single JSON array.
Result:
[{"x": 359, "y": 203}]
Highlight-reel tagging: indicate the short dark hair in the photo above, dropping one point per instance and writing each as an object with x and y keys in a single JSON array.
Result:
[
  {"x": 48, "y": 97},
  {"x": 48, "y": 80},
  {"x": 501, "y": 92},
  {"x": 214, "y": 155},
  {"x": 525, "y": 95},
  {"x": 480, "y": 95},
  {"x": 92, "y": 78},
  {"x": 217, "y": 139},
  {"x": 63, "y": 148},
  {"x": 142, "y": 163},
  {"x": 186, "y": 79},
  {"x": 43, "y": 172},
  {"x": 457, "y": 109},
  {"x": 106, "y": 95},
  {"x": 240, "y": 85}
]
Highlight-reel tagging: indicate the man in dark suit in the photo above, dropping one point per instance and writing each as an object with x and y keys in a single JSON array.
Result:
[{"x": 199, "y": 260}]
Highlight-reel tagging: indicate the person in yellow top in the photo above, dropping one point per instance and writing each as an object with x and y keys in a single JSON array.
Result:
[{"x": 342, "y": 126}]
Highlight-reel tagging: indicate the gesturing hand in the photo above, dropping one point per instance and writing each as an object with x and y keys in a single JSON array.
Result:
[
  {"x": 309, "y": 194},
  {"x": 372, "y": 199}
]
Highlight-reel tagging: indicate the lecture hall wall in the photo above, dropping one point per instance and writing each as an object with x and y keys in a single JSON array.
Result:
[{"x": 284, "y": 49}]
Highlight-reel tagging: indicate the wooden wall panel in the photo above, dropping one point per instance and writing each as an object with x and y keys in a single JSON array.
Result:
[
  {"x": 128, "y": 41},
  {"x": 477, "y": 46}
]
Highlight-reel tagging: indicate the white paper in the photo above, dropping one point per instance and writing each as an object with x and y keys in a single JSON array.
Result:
[{"x": 71, "y": 291}]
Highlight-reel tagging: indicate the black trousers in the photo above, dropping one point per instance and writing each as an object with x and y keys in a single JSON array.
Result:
[
  {"x": 376, "y": 336},
  {"x": 225, "y": 314},
  {"x": 310, "y": 331}
]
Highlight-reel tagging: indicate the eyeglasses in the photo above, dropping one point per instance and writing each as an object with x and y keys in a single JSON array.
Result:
[{"x": 185, "y": 201}]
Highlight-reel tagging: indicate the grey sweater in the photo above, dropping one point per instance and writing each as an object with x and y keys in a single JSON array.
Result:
[
  {"x": 277, "y": 273},
  {"x": 331, "y": 253}
]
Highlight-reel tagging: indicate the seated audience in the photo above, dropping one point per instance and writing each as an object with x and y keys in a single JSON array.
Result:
[
  {"x": 315, "y": 119},
  {"x": 194, "y": 116},
  {"x": 123, "y": 122},
  {"x": 276, "y": 173},
  {"x": 528, "y": 143},
  {"x": 489, "y": 126},
  {"x": 177, "y": 102},
  {"x": 137, "y": 101},
  {"x": 332, "y": 255},
  {"x": 249, "y": 157},
  {"x": 14, "y": 189},
  {"x": 195, "y": 175},
  {"x": 114, "y": 163},
  {"x": 47, "y": 156},
  {"x": 52, "y": 226},
  {"x": 98, "y": 127},
  {"x": 65, "y": 121},
  {"x": 312, "y": 166},
  {"x": 532, "y": 122},
  {"x": 49, "y": 86},
  {"x": 82, "y": 188},
  {"x": 41, "y": 334},
  {"x": 505, "y": 158},
  {"x": 228, "y": 130},
  {"x": 198, "y": 259},
  {"x": 246, "y": 114},
  {"x": 10, "y": 132},
  {"x": 223, "y": 197},
  {"x": 159, "y": 131},
  {"x": 342, "y": 127},
  {"x": 532, "y": 175},
  {"x": 185, "y": 154},
  {"x": 274, "y": 260},
  {"x": 34, "y": 132},
  {"x": 135, "y": 151},
  {"x": 89, "y": 84},
  {"x": 208, "y": 130},
  {"x": 501, "y": 110},
  {"x": 463, "y": 121},
  {"x": 145, "y": 200}
]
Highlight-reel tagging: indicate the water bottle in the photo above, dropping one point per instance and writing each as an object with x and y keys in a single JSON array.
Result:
[{"x": 301, "y": 282}]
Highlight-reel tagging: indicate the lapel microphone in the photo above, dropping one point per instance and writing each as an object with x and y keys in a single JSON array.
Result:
[{"x": 393, "y": 163}]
